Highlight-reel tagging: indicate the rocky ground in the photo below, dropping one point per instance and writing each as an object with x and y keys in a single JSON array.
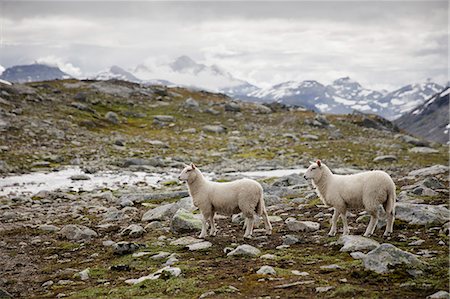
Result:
[{"x": 139, "y": 240}]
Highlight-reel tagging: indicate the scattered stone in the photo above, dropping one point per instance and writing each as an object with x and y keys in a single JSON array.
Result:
[
  {"x": 382, "y": 258},
  {"x": 274, "y": 218},
  {"x": 122, "y": 248},
  {"x": 161, "y": 213},
  {"x": 46, "y": 284},
  {"x": 421, "y": 214},
  {"x": 423, "y": 150},
  {"x": 232, "y": 107},
  {"x": 357, "y": 255},
  {"x": 134, "y": 231},
  {"x": 188, "y": 240},
  {"x": 164, "y": 118},
  {"x": 300, "y": 226},
  {"x": 439, "y": 295},
  {"x": 80, "y": 177},
  {"x": 429, "y": 171},
  {"x": 112, "y": 117},
  {"x": 331, "y": 267},
  {"x": 161, "y": 255},
  {"x": 290, "y": 240},
  {"x": 140, "y": 254},
  {"x": 190, "y": 103},
  {"x": 324, "y": 289},
  {"x": 245, "y": 250},
  {"x": 77, "y": 232},
  {"x": 268, "y": 256},
  {"x": 83, "y": 275},
  {"x": 432, "y": 183},
  {"x": 293, "y": 284},
  {"x": 184, "y": 221},
  {"x": 385, "y": 158},
  {"x": 48, "y": 227},
  {"x": 163, "y": 273},
  {"x": 199, "y": 246},
  {"x": 266, "y": 270},
  {"x": 214, "y": 129},
  {"x": 298, "y": 273},
  {"x": 212, "y": 111},
  {"x": 416, "y": 243},
  {"x": 357, "y": 243}
]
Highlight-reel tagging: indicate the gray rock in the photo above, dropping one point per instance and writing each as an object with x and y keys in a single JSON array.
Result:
[
  {"x": 357, "y": 243},
  {"x": 290, "y": 240},
  {"x": 112, "y": 117},
  {"x": 187, "y": 204},
  {"x": 184, "y": 221},
  {"x": 413, "y": 141},
  {"x": 266, "y": 270},
  {"x": 439, "y": 295},
  {"x": 164, "y": 118},
  {"x": 433, "y": 183},
  {"x": 161, "y": 213},
  {"x": 212, "y": 111},
  {"x": 124, "y": 247},
  {"x": 161, "y": 255},
  {"x": 232, "y": 107},
  {"x": 310, "y": 137},
  {"x": 324, "y": 289},
  {"x": 83, "y": 275},
  {"x": 139, "y": 162},
  {"x": 164, "y": 273},
  {"x": 385, "y": 158},
  {"x": 423, "y": 150},
  {"x": 429, "y": 171},
  {"x": 199, "y": 246},
  {"x": 386, "y": 256},
  {"x": 133, "y": 230},
  {"x": 80, "y": 177},
  {"x": 421, "y": 214},
  {"x": 192, "y": 104},
  {"x": 261, "y": 109},
  {"x": 4, "y": 167},
  {"x": 77, "y": 232},
  {"x": 48, "y": 227},
  {"x": 214, "y": 129},
  {"x": 245, "y": 250},
  {"x": 271, "y": 200},
  {"x": 300, "y": 226}
]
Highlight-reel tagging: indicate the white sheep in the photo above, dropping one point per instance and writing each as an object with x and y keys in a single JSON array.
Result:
[
  {"x": 367, "y": 190},
  {"x": 243, "y": 195}
]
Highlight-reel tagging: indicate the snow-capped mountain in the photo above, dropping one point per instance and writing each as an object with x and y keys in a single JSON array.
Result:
[
  {"x": 345, "y": 95},
  {"x": 429, "y": 120},
  {"x": 405, "y": 99},
  {"x": 118, "y": 73},
  {"x": 32, "y": 73}
]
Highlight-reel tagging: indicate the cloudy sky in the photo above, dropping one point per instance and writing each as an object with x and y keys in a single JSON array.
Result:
[{"x": 382, "y": 44}]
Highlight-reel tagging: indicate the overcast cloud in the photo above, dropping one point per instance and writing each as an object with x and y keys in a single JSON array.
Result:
[{"x": 380, "y": 44}]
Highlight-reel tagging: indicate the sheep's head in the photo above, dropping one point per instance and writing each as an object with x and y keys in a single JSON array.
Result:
[
  {"x": 314, "y": 171},
  {"x": 189, "y": 173}
]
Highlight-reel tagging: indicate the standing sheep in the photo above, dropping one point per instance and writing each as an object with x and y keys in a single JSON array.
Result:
[
  {"x": 366, "y": 190},
  {"x": 244, "y": 196}
]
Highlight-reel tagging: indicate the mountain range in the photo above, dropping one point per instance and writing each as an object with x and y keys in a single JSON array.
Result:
[
  {"x": 429, "y": 120},
  {"x": 344, "y": 95}
]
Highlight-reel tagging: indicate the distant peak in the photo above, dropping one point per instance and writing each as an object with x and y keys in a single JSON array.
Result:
[{"x": 344, "y": 81}]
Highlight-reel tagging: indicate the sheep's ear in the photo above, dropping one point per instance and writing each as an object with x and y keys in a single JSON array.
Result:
[
  {"x": 319, "y": 163},
  {"x": 193, "y": 166}
]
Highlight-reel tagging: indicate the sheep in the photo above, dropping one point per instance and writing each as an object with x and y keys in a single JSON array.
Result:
[
  {"x": 365, "y": 190},
  {"x": 243, "y": 195}
]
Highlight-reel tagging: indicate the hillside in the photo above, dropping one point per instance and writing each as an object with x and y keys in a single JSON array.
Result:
[
  {"x": 90, "y": 201},
  {"x": 32, "y": 73},
  {"x": 429, "y": 120}
]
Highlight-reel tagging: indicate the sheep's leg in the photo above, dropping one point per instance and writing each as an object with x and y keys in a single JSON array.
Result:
[
  {"x": 204, "y": 226},
  {"x": 334, "y": 220},
  {"x": 213, "y": 230},
  {"x": 344, "y": 223},
  {"x": 389, "y": 208},
  {"x": 249, "y": 228},
  {"x": 267, "y": 224},
  {"x": 244, "y": 227},
  {"x": 372, "y": 224}
]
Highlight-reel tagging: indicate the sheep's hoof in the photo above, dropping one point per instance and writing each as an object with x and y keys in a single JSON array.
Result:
[
  {"x": 387, "y": 234},
  {"x": 201, "y": 236},
  {"x": 247, "y": 237},
  {"x": 332, "y": 234},
  {"x": 367, "y": 235},
  {"x": 268, "y": 232}
]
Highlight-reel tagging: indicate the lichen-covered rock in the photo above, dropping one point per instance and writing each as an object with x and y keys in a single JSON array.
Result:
[
  {"x": 266, "y": 270},
  {"x": 421, "y": 214},
  {"x": 245, "y": 250},
  {"x": 184, "y": 221},
  {"x": 301, "y": 226},
  {"x": 427, "y": 171},
  {"x": 161, "y": 213},
  {"x": 357, "y": 243},
  {"x": 77, "y": 232},
  {"x": 386, "y": 256}
]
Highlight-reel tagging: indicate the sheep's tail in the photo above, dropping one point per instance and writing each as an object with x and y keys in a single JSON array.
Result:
[{"x": 389, "y": 204}]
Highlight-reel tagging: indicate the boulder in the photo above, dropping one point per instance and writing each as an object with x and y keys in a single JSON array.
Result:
[
  {"x": 266, "y": 270},
  {"x": 77, "y": 232},
  {"x": 386, "y": 256},
  {"x": 232, "y": 107},
  {"x": 421, "y": 214},
  {"x": 385, "y": 158},
  {"x": 112, "y": 117},
  {"x": 199, "y": 246},
  {"x": 300, "y": 226},
  {"x": 184, "y": 221},
  {"x": 245, "y": 250},
  {"x": 214, "y": 129},
  {"x": 429, "y": 171},
  {"x": 161, "y": 213},
  {"x": 134, "y": 231},
  {"x": 357, "y": 243},
  {"x": 423, "y": 150}
]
